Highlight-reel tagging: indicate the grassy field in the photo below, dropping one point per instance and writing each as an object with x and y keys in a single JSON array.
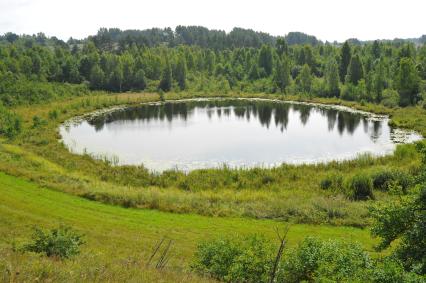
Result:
[
  {"x": 120, "y": 239},
  {"x": 288, "y": 193},
  {"x": 125, "y": 210}
]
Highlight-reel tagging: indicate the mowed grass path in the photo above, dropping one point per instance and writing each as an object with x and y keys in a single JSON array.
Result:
[{"x": 114, "y": 234}]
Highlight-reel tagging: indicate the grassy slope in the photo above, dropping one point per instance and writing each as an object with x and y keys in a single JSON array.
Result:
[
  {"x": 290, "y": 192},
  {"x": 119, "y": 240}
]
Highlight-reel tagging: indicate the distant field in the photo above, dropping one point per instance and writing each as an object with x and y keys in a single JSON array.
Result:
[{"x": 119, "y": 238}]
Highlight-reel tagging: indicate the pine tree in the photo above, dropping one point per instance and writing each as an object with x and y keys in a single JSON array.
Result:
[
  {"x": 376, "y": 49},
  {"x": 282, "y": 47},
  {"x": 345, "y": 58},
  {"x": 265, "y": 59},
  {"x": 181, "y": 71},
  {"x": 166, "y": 77},
  {"x": 355, "y": 70},
  {"x": 379, "y": 81}
]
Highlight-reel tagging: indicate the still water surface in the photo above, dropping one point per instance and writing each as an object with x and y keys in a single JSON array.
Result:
[{"x": 244, "y": 133}]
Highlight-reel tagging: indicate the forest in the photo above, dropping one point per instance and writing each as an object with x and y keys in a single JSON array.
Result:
[
  {"x": 391, "y": 73},
  {"x": 289, "y": 223}
]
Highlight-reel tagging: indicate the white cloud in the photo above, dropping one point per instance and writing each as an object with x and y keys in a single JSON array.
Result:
[{"x": 326, "y": 19}]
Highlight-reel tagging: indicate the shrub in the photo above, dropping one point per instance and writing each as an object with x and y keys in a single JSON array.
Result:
[
  {"x": 250, "y": 259},
  {"x": 10, "y": 123},
  {"x": 360, "y": 187},
  {"x": 37, "y": 122},
  {"x": 245, "y": 259},
  {"x": 324, "y": 261},
  {"x": 382, "y": 179},
  {"x": 53, "y": 115},
  {"x": 332, "y": 181},
  {"x": 62, "y": 242},
  {"x": 390, "y": 98}
]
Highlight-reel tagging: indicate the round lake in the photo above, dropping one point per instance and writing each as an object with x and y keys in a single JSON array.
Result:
[{"x": 196, "y": 134}]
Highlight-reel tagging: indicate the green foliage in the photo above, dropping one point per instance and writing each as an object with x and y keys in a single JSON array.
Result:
[
  {"x": 166, "y": 78},
  {"x": 282, "y": 77},
  {"x": 407, "y": 82},
  {"x": 345, "y": 58},
  {"x": 247, "y": 259},
  {"x": 353, "y": 92},
  {"x": 266, "y": 59},
  {"x": 385, "y": 179},
  {"x": 304, "y": 79},
  {"x": 332, "y": 78},
  {"x": 390, "y": 98},
  {"x": 324, "y": 261},
  {"x": 10, "y": 123},
  {"x": 180, "y": 74},
  {"x": 201, "y": 60},
  {"x": 97, "y": 77},
  {"x": 355, "y": 70},
  {"x": 62, "y": 242},
  {"x": 250, "y": 259},
  {"x": 404, "y": 219},
  {"x": 332, "y": 182},
  {"x": 360, "y": 187},
  {"x": 37, "y": 122}
]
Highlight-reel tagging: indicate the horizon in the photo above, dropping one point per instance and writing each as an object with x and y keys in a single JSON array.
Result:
[
  {"x": 277, "y": 19},
  {"x": 227, "y": 32}
]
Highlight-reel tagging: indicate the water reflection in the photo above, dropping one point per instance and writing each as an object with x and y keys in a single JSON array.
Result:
[
  {"x": 243, "y": 133},
  {"x": 264, "y": 112}
]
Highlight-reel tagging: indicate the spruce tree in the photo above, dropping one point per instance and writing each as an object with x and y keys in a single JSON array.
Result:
[
  {"x": 355, "y": 70},
  {"x": 181, "y": 71},
  {"x": 265, "y": 59},
  {"x": 166, "y": 77},
  {"x": 345, "y": 58}
]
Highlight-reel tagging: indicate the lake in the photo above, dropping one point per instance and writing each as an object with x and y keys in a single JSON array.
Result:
[{"x": 195, "y": 134}]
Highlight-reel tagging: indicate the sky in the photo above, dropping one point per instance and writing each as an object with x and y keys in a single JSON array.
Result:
[{"x": 326, "y": 19}]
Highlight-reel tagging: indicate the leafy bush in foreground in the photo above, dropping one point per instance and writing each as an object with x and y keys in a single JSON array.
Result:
[
  {"x": 316, "y": 260},
  {"x": 404, "y": 219},
  {"x": 250, "y": 259},
  {"x": 62, "y": 242},
  {"x": 235, "y": 260}
]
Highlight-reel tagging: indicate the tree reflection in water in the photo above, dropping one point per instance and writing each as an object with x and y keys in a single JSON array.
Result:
[{"x": 263, "y": 111}]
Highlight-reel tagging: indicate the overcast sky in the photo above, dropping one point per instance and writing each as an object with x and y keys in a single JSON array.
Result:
[{"x": 326, "y": 19}]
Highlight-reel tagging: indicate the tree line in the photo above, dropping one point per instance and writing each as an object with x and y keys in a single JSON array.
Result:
[{"x": 379, "y": 72}]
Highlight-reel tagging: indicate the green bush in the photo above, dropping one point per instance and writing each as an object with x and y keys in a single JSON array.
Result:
[
  {"x": 10, "y": 123},
  {"x": 62, "y": 242},
  {"x": 382, "y": 179},
  {"x": 245, "y": 259},
  {"x": 390, "y": 98},
  {"x": 360, "y": 187},
  {"x": 332, "y": 181},
  {"x": 324, "y": 261},
  {"x": 250, "y": 259}
]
